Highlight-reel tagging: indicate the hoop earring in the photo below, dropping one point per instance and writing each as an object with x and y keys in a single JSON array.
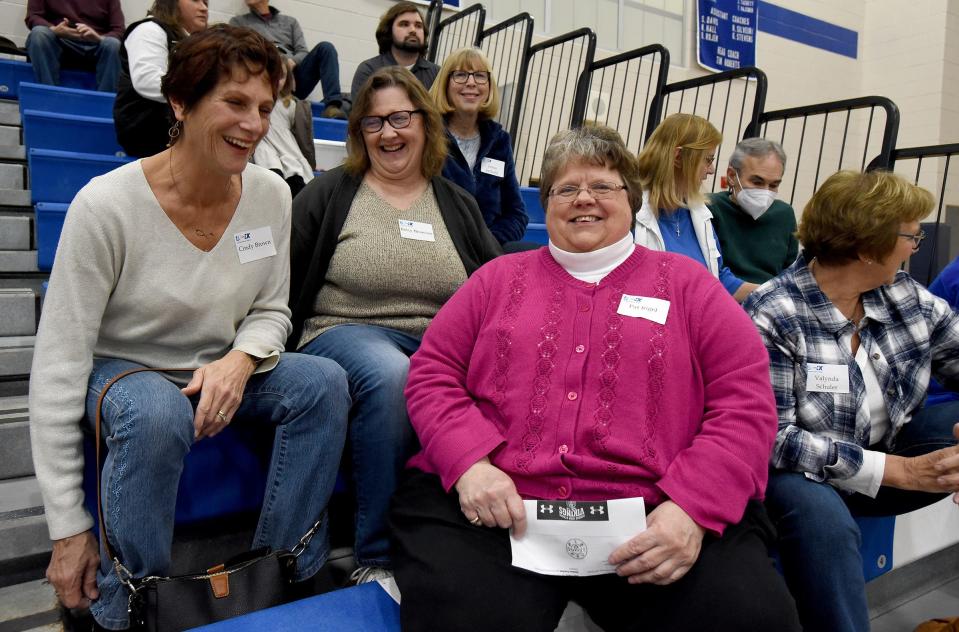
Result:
[{"x": 173, "y": 132}]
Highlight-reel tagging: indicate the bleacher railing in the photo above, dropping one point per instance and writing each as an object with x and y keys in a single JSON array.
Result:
[
  {"x": 434, "y": 13},
  {"x": 457, "y": 31},
  {"x": 554, "y": 68},
  {"x": 506, "y": 45},
  {"x": 823, "y": 138},
  {"x": 620, "y": 91},
  {"x": 929, "y": 167},
  {"x": 732, "y": 101}
]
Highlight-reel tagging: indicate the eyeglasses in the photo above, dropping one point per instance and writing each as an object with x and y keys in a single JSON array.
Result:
[
  {"x": 598, "y": 190},
  {"x": 397, "y": 120},
  {"x": 916, "y": 238},
  {"x": 481, "y": 77}
]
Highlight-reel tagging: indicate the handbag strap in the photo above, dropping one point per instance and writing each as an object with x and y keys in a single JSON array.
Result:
[{"x": 97, "y": 425}]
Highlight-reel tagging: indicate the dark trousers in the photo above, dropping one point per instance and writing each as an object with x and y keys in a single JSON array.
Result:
[
  {"x": 321, "y": 65},
  {"x": 458, "y": 577}
]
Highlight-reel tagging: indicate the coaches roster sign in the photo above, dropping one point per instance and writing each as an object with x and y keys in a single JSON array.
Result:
[{"x": 726, "y": 33}]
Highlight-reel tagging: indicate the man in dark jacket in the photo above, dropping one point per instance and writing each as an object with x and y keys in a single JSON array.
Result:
[
  {"x": 401, "y": 38},
  {"x": 86, "y": 33}
]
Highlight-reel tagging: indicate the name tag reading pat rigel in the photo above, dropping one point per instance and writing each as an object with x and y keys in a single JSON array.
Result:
[
  {"x": 252, "y": 245},
  {"x": 420, "y": 231},
  {"x": 654, "y": 309},
  {"x": 827, "y": 378}
]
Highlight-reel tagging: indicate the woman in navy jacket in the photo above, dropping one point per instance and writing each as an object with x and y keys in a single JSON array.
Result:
[{"x": 481, "y": 155}]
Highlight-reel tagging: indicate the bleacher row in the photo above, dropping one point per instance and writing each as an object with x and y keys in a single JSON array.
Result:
[{"x": 68, "y": 137}]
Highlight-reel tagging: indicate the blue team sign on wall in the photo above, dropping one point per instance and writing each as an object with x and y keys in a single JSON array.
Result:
[{"x": 726, "y": 33}]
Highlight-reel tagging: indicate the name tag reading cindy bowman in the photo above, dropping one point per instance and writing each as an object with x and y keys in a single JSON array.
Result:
[{"x": 575, "y": 538}]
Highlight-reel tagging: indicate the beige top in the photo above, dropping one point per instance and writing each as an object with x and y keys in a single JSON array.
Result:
[{"x": 378, "y": 276}]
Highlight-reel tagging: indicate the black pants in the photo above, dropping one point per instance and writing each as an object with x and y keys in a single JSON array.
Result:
[{"x": 457, "y": 577}]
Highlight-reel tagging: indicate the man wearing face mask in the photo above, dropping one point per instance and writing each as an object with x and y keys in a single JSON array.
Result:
[{"x": 757, "y": 232}]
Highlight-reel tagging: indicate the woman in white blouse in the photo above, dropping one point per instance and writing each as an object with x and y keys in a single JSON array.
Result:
[{"x": 140, "y": 113}]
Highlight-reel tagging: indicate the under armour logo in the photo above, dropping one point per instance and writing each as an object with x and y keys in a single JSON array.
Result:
[
  {"x": 545, "y": 508},
  {"x": 597, "y": 510}
]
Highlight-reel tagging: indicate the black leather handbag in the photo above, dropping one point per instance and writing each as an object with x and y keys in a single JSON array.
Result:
[{"x": 251, "y": 581}]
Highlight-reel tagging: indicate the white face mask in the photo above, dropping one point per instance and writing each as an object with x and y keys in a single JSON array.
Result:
[{"x": 754, "y": 201}]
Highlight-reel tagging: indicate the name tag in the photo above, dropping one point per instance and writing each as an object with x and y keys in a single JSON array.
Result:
[
  {"x": 654, "y": 309},
  {"x": 493, "y": 167},
  {"x": 252, "y": 245},
  {"x": 420, "y": 231},
  {"x": 827, "y": 378}
]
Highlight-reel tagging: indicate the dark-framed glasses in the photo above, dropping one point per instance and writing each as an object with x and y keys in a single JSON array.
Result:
[
  {"x": 462, "y": 76},
  {"x": 598, "y": 191},
  {"x": 915, "y": 237},
  {"x": 397, "y": 120}
]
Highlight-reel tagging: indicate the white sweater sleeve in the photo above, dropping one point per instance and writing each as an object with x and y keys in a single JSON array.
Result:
[
  {"x": 81, "y": 282},
  {"x": 148, "y": 56}
]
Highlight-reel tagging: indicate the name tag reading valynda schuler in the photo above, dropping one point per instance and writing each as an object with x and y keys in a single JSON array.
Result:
[{"x": 827, "y": 378}]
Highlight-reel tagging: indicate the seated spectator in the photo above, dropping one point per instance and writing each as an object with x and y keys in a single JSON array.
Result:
[
  {"x": 945, "y": 285},
  {"x": 81, "y": 33},
  {"x": 378, "y": 246},
  {"x": 480, "y": 151},
  {"x": 319, "y": 65},
  {"x": 401, "y": 38},
  {"x": 852, "y": 341},
  {"x": 672, "y": 165},
  {"x": 757, "y": 232},
  {"x": 141, "y": 115},
  {"x": 287, "y": 148},
  {"x": 533, "y": 383},
  {"x": 147, "y": 275}
]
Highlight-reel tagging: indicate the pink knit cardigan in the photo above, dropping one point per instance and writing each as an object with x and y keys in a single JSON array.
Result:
[{"x": 538, "y": 370}]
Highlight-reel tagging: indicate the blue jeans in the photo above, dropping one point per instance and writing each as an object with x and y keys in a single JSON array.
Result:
[
  {"x": 819, "y": 539},
  {"x": 148, "y": 428},
  {"x": 47, "y": 50},
  {"x": 376, "y": 359},
  {"x": 321, "y": 65}
]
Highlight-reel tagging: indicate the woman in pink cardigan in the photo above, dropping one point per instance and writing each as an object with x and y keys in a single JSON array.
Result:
[{"x": 592, "y": 369}]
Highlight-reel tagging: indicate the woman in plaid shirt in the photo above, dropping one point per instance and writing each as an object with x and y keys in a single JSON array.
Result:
[{"x": 852, "y": 342}]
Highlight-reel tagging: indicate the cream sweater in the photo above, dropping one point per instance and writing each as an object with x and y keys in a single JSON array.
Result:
[{"x": 127, "y": 284}]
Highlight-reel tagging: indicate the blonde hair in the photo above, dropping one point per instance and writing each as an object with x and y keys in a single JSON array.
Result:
[
  {"x": 670, "y": 185},
  {"x": 465, "y": 59},
  {"x": 855, "y": 214}
]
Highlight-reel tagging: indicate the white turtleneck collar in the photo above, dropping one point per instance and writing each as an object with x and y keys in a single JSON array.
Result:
[{"x": 593, "y": 266}]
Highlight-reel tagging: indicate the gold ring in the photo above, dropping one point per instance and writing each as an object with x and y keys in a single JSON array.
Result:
[
  {"x": 476, "y": 521},
  {"x": 221, "y": 415}
]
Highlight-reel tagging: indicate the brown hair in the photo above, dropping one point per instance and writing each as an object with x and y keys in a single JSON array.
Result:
[
  {"x": 166, "y": 12},
  {"x": 435, "y": 146},
  {"x": 853, "y": 214},
  {"x": 384, "y": 30},
  {"x": 596, "y": 145},
  {"x": 202, "y": 60},
  {"x": 465, "y": 59},
  {"x": 670, "y": 187}
]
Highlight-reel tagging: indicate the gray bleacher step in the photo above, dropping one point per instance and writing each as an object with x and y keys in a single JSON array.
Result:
[
  {"x": 18, "y": 312},
  {"x": 16, "y": 355},
  {"x": 15, "y": 457},
  {"x": 12, "y": 176},
  {"x": 14, "y": 197},
  {"x": 23, "y": 530},
  {"x": 14, "y": 232},
  {"x": 13, "y": 152},
  {"x": 32, "y": 603},
  {"x": 9, "y": 135},
  {"x": 9, "y": 113},
  {"x": 31, "y": 281},
  {"x": 18, "y": 261}
]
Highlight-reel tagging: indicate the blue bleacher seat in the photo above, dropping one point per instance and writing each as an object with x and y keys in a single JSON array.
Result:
[
  {"x": 536, "y": 233},
  {"x": 535, "y": 211},
  {"x": 329, "y": 129},
  {"x": 12, "y": 73},
  {"x": 38, "y": 96},
  {"x": 56, "y": 176},
  {"x": 363, "y": 608},
  {"x": 68, "y": 132},
  {"x": 876, "y": 548},
  {"x": 48, "y": 220}
]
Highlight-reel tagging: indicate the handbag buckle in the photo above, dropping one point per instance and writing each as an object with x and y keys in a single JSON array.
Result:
[
  {"x": 305, "y": 540},
  {"x": 219, "y": 581}
]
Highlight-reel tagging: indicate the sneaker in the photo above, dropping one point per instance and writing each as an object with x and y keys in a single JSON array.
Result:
[
  {"x": 333, "y": 112},
  {"x": 366, "y": 574}
]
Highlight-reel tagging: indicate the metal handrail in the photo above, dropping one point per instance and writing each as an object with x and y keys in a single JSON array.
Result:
[
  {"x": 458, "y": 23},
  {"x": 511, "y": 67}
]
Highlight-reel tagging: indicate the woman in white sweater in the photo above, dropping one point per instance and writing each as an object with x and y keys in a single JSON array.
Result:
[
  {"x": 141, "y": 114},
  {"x": 179, "y": 260}
]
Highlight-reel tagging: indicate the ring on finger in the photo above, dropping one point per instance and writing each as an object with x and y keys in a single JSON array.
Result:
[
  {"x": 221, "y": 415},
  {"x": 475, "y": 521}
]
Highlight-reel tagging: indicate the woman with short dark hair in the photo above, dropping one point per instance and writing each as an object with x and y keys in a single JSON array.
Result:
[
  {"x": 379, "y": 245},
  {"x": 179, "y": 260},
  {"x": 852, "y": 341}
]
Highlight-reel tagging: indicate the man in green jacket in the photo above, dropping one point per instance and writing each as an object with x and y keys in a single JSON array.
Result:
[{"x": 757, "y": 232}]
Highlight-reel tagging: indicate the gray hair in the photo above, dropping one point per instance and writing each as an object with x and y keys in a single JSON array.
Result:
[
  {"x": 756, "y": 148},
  {"x": 592, "y": 144}
]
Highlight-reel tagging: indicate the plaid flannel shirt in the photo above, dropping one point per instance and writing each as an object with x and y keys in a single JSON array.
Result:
[{"x": 823, "y": 434}]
